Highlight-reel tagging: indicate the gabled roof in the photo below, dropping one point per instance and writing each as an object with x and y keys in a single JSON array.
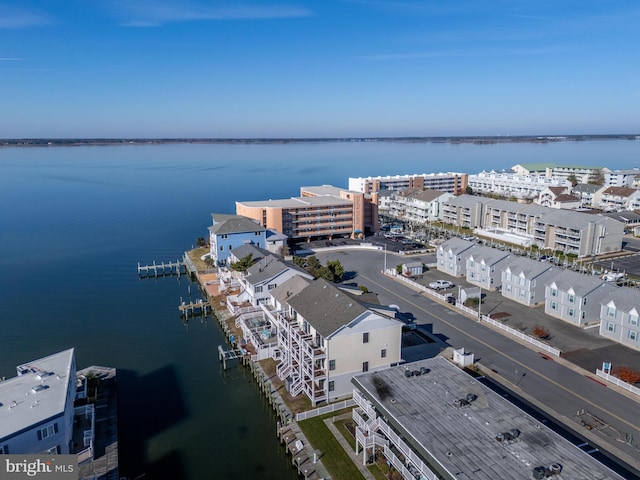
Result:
[
  {"x": 557, "y": 190},
  {"x": 566, "y": 198},
  {"x": 229, "y": 224},
  {"x": 531, "y": 268},
  {"x": 37, "y": 394},
  {"x": 289, "y": 288},
  {"x": 269, "y": 267},
  {"x": 256, "y": 253},
  {"x": 429, "y": 195},
  {"x": 457, "y": 245},
  {"x": 624, "y": 298},
  {"x": 580, "y": 283},
  {"x": 587, "y": 188},
  {"x": 326, "y": 308},
  {"x": 620, "y": 191},
  {"x": 489, "y": 255}
]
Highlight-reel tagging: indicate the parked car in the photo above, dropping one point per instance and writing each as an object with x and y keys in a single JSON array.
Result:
[
  {"x": 450, "y": 299},
  {"x": 440, "y": 284}
]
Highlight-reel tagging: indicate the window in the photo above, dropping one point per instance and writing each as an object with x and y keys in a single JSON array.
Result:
[
  {"x": 571, "y": 312},
  {"x": 508, "y": 276},
  {"x": 611, "y": 311},
  {"x": 554, "y": 306},
  {"x": 332, "y": 385},
  {"x": 508, "y": 287},
  {"x": 383, "y": 353},
  {"x": 258, "y": 289},
  {"x": 365, "y": 337},
  {"x": 365, "y": 366},
  {"x": 611, "y": 326},
  {"x": 54, "y": 450},
  {"x": 633, "y": 319},
  {"x": 222, "y": 248},
  {"x": 522, "y": 280},
  {"x": 47, "y": 431},
  {"x": 332, "y": 364},
  {"x": 572, "y": 298},
  {"x": 272, "y": 286},
  {"x": 633, "y": 335},
  {"x": 554, "y": 292},
  {"x": 523, "y": 293}
]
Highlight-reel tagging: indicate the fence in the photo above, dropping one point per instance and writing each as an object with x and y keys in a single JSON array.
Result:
[
  {"x": 485, "y": 318},
  {"x": 618, "y": 382},
  {"x": 334, "y": 407}
]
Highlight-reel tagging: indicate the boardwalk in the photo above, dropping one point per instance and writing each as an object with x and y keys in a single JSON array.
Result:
[{"x": 161, "y": 269}]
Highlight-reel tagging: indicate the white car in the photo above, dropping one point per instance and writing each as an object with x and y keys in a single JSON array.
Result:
[{"x": 440, "y": 284}]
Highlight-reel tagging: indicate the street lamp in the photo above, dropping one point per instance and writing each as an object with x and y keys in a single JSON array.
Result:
[{"x": 385, "y": 259}]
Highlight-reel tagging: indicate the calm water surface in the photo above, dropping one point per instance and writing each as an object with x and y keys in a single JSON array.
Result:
[{"x": 74, "y": 222}]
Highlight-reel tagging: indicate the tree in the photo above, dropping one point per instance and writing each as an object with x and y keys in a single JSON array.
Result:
[
  {"x": 469, "y": 190},
  {"x": 336, "y": 269},
  {"x": 201, "y": 242},
  {"x": 573, "y": 179},
  {"x": 243, "y": 264}
]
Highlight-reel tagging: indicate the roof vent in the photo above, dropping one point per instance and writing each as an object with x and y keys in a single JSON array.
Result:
[
  {"x": 508, "y": 437},
  {"x": 39, "y": 388}
]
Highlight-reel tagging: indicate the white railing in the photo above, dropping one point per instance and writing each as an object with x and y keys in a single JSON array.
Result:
[
  {"x": 522, "y": 336},
  {"x": 473, "y": 312},
  {"x": 364, "y": 404},
  {"x": 334, "y": 407},
  {"x": 85, "y": 455},
  {"x": 615, "y": 380}
]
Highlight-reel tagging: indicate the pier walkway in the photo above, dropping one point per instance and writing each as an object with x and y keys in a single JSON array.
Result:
[{"x": 162, "y": 269}]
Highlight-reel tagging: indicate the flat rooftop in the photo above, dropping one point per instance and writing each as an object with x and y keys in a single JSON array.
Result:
[
  {"x": 38, "y": 393},
  {"x": 463, "y": 439}
]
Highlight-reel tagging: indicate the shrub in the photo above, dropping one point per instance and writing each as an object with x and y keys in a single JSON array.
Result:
[
  {"x": 626, "y": 374},
  {"x": 540, "y": 331}
]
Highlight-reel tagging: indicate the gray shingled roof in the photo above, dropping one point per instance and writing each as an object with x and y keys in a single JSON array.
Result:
[
  {"x": 491, "y": 256},
  {"x": 586, "y": 188},
  {"x": 244, "y": 250},
  {"x": 457, "y": 245},
  {"x": 530, "y": 268},
  {"x": 626, "y": 299},
  {"x": 582, "y": 284},
  {"x": 225, "y": 224},
  {"x": 325, "y": 307},
  {"x": 290, "y": 288}
]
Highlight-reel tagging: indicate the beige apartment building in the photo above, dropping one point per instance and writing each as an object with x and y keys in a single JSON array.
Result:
[
  {"x": 450, "y": 182},
  {"x": 319, "y": 212}
]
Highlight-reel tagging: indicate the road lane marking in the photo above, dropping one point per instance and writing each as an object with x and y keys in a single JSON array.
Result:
[{"x": 553, "y": 382}]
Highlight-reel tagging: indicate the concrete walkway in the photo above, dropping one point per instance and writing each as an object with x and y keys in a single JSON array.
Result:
[{"x": 356, "y": 459}]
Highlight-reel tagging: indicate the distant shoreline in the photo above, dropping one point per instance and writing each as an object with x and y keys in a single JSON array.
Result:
[{"x": 477, "y": 140}]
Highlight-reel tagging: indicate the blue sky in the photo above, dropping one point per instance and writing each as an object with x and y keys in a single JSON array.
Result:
[{"x": 326, "y": 68}]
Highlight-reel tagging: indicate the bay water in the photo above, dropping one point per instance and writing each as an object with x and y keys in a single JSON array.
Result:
[{"x": 74, "y": 223}]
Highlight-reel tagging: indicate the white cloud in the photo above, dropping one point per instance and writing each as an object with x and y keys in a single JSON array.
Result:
[
  {"x": 13, "y": 17},
  {"x": 149, "y": 13}
]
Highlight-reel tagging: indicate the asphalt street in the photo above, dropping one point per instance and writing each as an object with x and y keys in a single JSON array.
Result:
[{"x": 554, "y": 387}]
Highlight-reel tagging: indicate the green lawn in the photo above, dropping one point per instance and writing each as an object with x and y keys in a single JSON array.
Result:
[{"x": 334, "y": 458}]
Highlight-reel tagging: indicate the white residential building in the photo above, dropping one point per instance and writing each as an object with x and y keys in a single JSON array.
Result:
[
  {"x": 575, "y": 298},
  {"x": 513, "y": 185},
  {"x": 523, "y": 280},
  {"x": 621, "y": 178},
  {"x": 450, "y": 182},
  {"x": 617, "y": 199},
  {"x": 326, "y": 337},
  {"x": 36, "y": 407},
  {"x": 413, "y": 205},
  {"x": 451, "y": 256},
  {"x": 558, "y": 197},
  {"x": 484, "y": 267},
  {"x": 619, "y": 317}
]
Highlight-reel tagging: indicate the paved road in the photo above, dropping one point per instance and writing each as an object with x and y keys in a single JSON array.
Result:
[{"x": 548, "y": 384}]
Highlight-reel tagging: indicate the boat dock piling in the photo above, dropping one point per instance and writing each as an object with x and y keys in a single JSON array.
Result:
[
  {"x": 192, "y": 308},
  {"x": 225, "y": 355},
  {"x": 161, "y": 269}
]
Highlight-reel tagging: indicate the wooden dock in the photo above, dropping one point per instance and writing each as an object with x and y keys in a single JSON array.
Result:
[
  {"x": 161, "y": 269},
  {"x": 232, "y": 354},
  {"x": 194, "y": 308}
]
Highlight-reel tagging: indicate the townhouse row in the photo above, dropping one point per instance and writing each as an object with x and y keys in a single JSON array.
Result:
[
  {"x": 321, "y": 335},
  {"x": 579, "y": 299}
]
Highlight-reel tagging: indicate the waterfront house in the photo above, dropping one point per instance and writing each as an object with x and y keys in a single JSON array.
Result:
[
  {"x": 558, "y": 197},
  {"x": 575, "y": 297},
  {"x": 325, "y": 337},
  {"x": 232, "y": 231},
  {"x": 484, "y": 267},
  {"x": 266, "y": 273},
  {"x": 619, "y": 317},
  {"x": 523, "y": 280},
  {"x": 36, "y": 406},
  {"x": 451, "y": 256}
]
